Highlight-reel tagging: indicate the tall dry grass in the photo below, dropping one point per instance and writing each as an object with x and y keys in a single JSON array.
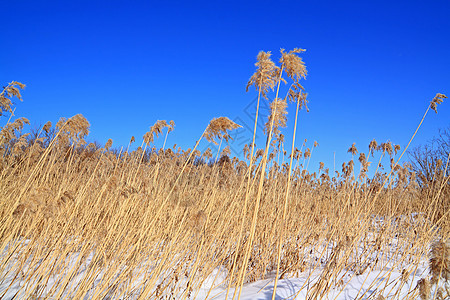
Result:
[{"x": 78, "y": 220}]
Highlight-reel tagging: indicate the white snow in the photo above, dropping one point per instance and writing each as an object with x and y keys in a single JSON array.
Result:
[{"x": 393, "y": 278}]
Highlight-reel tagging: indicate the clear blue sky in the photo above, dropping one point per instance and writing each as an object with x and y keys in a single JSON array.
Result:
[{"x": 373, "y": 65}]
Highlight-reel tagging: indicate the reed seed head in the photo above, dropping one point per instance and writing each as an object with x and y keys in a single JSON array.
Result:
[
  {"x": 438, "y": 99},
  {"x": 362, "y": 158},
  {"x": 171, "y": 126},
  {"x": 277, "y": 118},
  {"x": 207, "y": 153},
  {"x": 226, "y": 151},
  {"x": 10, "y": 91},
  {"x": 156, "y": 130},
  {"x": 47, "y": 126},
  {"x": 265, "y": 77},
  {"x": 108, "y": 144},
  {"x": 218, "y": 128},
  {"x": 293, "y": 64},
  {"x": 424, "y": 287},
  {"x": 307, "y": 153},
  {"x": 440, "y": 261},
  {"x": 386, "y": 148},
  {"x": 373, "y": 145},
  {"x": 352, "y": 149},
  {"x": 76, "y": 127}
]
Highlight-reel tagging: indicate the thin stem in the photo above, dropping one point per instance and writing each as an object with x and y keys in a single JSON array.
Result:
[
  {"x": 281, "y": 238},
  {"x": 258, "y": 196},
  {"x": 247, "y": 192}
]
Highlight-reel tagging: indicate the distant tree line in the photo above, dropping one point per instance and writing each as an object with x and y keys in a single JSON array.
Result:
[{"x": 430, "y": 160}]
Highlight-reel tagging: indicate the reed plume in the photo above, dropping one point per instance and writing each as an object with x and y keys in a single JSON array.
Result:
[
  {"x": 156, "y": 130},
  {"x": 47, "y": 126},
  {"x": 265, "y": 76},
  {"x": 10, "y": 91},
  {"x": 293, "y": 64},
  {"x": 277, "y": 117},
  {"x": 438, "y": 99},
  {"x": 76, "y": 127},
  {"x": 424, "y": 287},
  {"x": 108, "y": 144},
  {"x": 218, "y": 128},
  {"x": 440, "y": 261},
  {"x": 352, "y": 149},
  {"x": 373, "y": 146}
]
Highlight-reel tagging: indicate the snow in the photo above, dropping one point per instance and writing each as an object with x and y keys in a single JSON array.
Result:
[
  {"x": 351, "y": 286},
  {"x": 388, "y": 272},
  {"x": 348, "y": 284}
]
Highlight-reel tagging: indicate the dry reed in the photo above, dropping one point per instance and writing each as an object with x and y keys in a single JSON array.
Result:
[{"x": 80, "y": 220}]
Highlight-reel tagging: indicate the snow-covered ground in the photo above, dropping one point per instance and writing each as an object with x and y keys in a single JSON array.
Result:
[
  {"x": 389, "y": 282},
  {"x": 393, "y": 272},
  {"x": 364, "y": 286}
]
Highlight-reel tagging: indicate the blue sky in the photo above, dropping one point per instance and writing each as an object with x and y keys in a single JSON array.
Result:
[{"x": 373, "y": 66}]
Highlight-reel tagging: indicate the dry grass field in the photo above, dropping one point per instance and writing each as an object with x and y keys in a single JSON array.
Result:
[{"x": 83, "y": 221}]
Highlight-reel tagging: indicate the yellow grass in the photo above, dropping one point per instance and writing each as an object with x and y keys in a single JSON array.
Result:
[{"x": 154, "y": 223}]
